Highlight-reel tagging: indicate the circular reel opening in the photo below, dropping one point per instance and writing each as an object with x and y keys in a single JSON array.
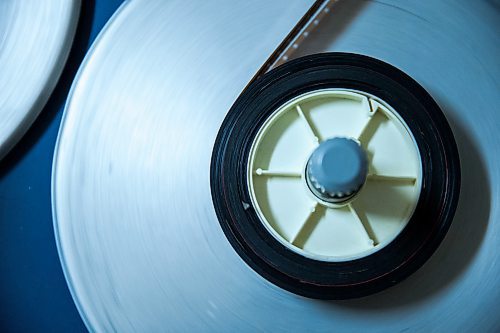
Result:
[{"x": 325, "y": 220}]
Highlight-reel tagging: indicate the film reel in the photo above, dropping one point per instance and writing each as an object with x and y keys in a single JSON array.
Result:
[
  {"x": 325, "y": 254},
  {"x": 36, "y": 38},
  {"x": 138, "y": 236}
]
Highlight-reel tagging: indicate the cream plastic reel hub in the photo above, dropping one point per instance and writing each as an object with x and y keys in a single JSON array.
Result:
[{"x": 335, "y": 174}]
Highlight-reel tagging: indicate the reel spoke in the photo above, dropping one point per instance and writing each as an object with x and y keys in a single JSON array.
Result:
[
  {"x": 394, "y": 179},
  {"x": 374, "y": 121},
  {"x": 311, "y": 222},
  {"x": 361, "y": 217},
  {"x": 274, "y": 173},
  {"x": 315, "y": 135}
]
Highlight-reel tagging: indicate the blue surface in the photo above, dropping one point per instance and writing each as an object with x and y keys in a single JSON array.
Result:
[
  {"x": 33, "y": 292},
  {"x": 339, "y": 165}
]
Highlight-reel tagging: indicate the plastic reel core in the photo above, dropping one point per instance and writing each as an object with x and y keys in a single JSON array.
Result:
[
  {"x": 313, "y": 202},
  {"x": 337, "y": 170}
]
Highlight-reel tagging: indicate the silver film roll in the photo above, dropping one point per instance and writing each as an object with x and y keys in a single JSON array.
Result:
[
  {"x": 35, "y": 39},
  {"x": 137, "y": 233}
]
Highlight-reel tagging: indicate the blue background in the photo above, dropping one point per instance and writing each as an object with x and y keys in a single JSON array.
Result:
[{"x": 33, "y": 293}]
